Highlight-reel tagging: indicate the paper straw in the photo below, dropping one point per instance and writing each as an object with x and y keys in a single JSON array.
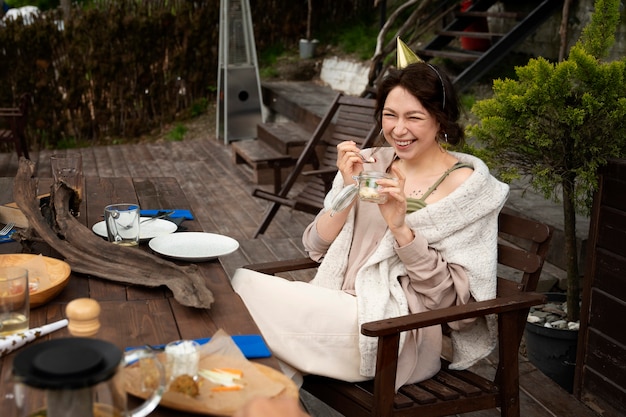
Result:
[{"x": 15, "y": 341}]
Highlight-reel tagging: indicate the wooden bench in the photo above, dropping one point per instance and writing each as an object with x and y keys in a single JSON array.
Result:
[
  {"x": 264, "y": 160},
  {"x": 14, "y": 126},
  {"x": 288, "y": 138},
  {"x": 277, "y": 146}
]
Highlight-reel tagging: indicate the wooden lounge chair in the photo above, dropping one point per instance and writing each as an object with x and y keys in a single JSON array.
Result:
[
  {"x": 348, "y": 118},
  {"x": 449, "y": 392},
  {"x": 13, "y": 125}
]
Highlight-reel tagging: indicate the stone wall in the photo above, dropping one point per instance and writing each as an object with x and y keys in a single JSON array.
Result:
[{"x": 546, "y": 41}]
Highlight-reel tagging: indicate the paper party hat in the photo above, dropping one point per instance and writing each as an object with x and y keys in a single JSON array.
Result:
[{"x": 404, "y": 55}]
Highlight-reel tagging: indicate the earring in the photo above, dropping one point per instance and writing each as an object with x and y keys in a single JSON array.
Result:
[
  {"x": 381, "y": 132},
  {"x": 445, "y": 137}
]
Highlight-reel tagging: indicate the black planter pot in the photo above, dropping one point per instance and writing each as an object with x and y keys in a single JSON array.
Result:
[{"x": 553, "y": 351}]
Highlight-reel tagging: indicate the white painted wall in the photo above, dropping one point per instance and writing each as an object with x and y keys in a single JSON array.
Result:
[{"x": 349, "y": 77}]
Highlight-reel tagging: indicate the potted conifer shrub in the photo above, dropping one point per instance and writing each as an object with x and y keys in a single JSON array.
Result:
[{"x": 557, "y": 123}]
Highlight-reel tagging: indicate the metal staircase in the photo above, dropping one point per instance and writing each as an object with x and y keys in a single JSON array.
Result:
[{"x": 491, "y": 46}]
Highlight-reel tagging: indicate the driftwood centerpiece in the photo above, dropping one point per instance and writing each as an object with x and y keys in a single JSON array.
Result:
[{"x": 89, "y": 254}]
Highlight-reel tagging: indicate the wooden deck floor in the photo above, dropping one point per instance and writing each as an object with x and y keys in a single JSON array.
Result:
[
  {"x": 220, "y": 195},
  {"x": 219, "y": 191}
]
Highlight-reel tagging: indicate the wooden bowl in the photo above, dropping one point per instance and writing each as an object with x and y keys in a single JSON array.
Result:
[{"x": 58, "y": 271}]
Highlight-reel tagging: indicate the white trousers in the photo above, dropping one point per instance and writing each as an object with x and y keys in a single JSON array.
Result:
[{"x": 310, "y": 328}]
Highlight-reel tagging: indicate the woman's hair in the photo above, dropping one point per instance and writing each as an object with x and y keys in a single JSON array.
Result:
[{"x": 433, "y": 89}]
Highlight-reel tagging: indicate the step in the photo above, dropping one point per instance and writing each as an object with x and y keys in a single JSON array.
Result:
[
  {"x": 288, "y": 138},
  {"x": 466, "y": 56},
  {"x": 300, "y": 105},
  {"x": 468, "y": 34},
  {"x": 265, "y": 162},
  {"x": 499, "y": 15}
]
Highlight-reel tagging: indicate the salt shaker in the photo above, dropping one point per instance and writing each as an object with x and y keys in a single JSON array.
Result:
[{"x": 83, "y": 315}]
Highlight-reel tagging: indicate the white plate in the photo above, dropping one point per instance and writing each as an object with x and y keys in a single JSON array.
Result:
[
  {"x": 194, "y": 246},
  {"x": 147, "y": 230}
]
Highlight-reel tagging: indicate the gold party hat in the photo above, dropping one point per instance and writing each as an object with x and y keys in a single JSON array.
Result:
[{"x": 404, "y": 55}]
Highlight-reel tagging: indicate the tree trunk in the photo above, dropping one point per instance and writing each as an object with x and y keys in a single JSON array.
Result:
[
  {"x": 66, "y": 6},
  {"x": 571, "y": 252},
  {"x": 563, "y": 29},
  {"x": 308, "y": 20}
]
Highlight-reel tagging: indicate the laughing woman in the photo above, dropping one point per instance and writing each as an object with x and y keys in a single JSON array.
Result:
[{"x": 431, "y": 245}]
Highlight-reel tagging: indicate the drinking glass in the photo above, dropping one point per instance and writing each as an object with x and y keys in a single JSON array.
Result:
[
  {"x": 182, "y": 358},
  {"x": 68, "y": 168},
  {"x": 369, "y": 189},
  {"x": 14, "y": 300},
  {"x": 122, "y": 222}
]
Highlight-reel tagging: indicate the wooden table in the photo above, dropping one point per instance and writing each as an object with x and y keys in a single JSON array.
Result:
[{"x": 133, "y": 315}]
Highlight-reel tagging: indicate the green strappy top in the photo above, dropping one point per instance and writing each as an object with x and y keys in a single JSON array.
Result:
[{"x": 414, "y": 204}]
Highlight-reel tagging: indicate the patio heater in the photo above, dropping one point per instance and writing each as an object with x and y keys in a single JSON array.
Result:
[{"x": 239, "y": 108}]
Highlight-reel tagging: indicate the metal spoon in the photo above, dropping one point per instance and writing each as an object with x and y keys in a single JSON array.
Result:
[
  {"x": 160, "y": 216},
  {"x": 128, "y": 226},
  {"x": 368, "y": 160}
]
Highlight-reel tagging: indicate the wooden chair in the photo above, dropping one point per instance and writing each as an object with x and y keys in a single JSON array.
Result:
[
  {"x": 449, "y": 392},
  {"x": 13, "y": 131},
  {"x": 349, "y": 118},
  {"x": 599, "y": 380}
]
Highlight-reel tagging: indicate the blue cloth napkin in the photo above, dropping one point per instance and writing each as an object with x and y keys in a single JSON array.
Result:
[
  {"x": 4, "y": 239},
  {"x": 251, "y": 345},
  {"x": 186, "y": 214}
]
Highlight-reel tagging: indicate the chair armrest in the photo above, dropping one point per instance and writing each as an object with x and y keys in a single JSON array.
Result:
[
  {"x": 272, "y": 268},
  {"x": 273, "y": 197},
  {"x": 506, "y": 304}
]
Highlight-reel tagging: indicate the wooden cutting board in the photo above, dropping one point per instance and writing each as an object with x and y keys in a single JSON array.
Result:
[{"x": 258, "y": 380}]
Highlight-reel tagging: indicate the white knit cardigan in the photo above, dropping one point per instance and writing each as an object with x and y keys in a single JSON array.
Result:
[{"x": 462, "y": 227}]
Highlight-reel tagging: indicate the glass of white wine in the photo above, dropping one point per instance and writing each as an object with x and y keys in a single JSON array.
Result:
[{"x": 14, "y": 300}]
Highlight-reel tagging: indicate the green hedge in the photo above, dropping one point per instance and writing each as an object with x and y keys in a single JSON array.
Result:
[
  {"x": 116, "y": 70},
  {"x": 122, "y": 68}
]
